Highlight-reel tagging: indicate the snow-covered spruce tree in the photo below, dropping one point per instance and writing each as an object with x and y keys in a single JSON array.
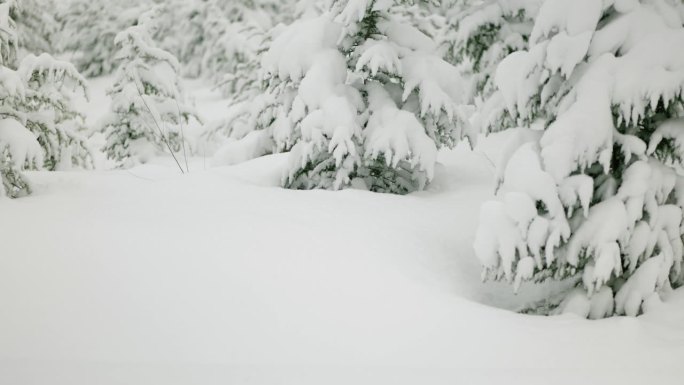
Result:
[
  {"x": 234, "y": 62},
  {"x": 479, "y": 35},
  {"x": 592, "y": 189},
  {"x": 427, "y": 16},
  {"x": 19, "y": 148},
  {"x": 360, "y": 98},
  {"x": 147, "y": 112},
  {"x": 50, "y": 85},
  {"x": 88, "y": 28},
  {"x": 182, "y": 32},
  {"x": 238, "y": 33},
  {"x": 36, "y": 25},
  {"x": 219, "y": 39}
]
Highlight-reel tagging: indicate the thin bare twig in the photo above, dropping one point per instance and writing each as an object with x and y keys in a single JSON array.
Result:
[
  {"x": 180, "y": 121},
  {"x": 489, "y": 160},
  {"x": 161, "y": 132}
]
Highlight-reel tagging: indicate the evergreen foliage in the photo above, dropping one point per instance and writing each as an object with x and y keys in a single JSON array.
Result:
[
  {"x": 19, "y": 148},
  {"x": 148, "y": 112},
  {"x": 359, "y": 98},
  {"x": 36, "y": 25},
  {"x": 591, "y": 186},
  {"x": 479, "y": 36},
  {"x": 88, "y": 29},
  {"x": 49, "y": 112}
]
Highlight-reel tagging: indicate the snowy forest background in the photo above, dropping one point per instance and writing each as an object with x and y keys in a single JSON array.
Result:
[{"x": 164, "y": 169}]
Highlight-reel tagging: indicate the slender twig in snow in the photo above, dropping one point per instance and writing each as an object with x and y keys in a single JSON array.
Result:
[
  {"x": 161, "y": 132},
  {"x": 489, "y": 160},
  {"x": 180, "y": 122}
]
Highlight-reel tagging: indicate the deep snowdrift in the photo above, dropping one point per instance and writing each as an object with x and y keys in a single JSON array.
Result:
[{"x": 147, "y": 276}]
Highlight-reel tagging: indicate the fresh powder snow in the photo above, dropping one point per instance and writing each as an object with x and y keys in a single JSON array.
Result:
[{"x": 341, "y": 192}]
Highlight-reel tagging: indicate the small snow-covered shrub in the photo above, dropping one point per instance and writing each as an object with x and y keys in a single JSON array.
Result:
[
  {"x": 39, "y": 126},
  {"x": 49, "y": 111},
  {"x": 373, "y": 103},
  {"x": 88, "y": 29},
  {"x": 592, "y": 189},
  {"x": 238, "y": 33},
  {"x": 183, "y": 32},
  {"x": 359, "y": 96},
  {"x": 147, "y": 112},
  {"x": 223, "y": 41},
  {"x": 36, "y": 25},
  {"x": 19, "y": 148},
  {"x": 218, "y": 39}
]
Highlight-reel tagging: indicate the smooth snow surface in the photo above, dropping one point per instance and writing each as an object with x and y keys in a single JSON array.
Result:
[
  {"x": 149, "y": 277},
  {"x": 219, "y": 277}
]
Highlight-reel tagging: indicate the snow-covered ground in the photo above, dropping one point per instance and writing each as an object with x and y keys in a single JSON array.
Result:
[{"x": 146, "y": 276}]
